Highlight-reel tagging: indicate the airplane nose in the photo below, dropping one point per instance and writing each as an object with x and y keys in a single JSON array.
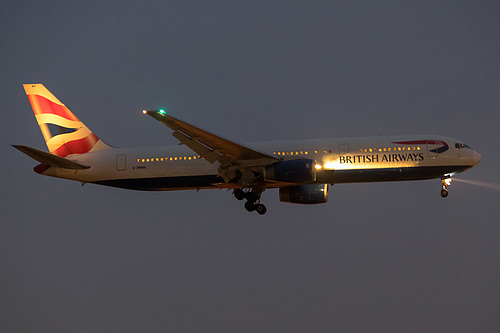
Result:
[{"x": 476, "y": 158}]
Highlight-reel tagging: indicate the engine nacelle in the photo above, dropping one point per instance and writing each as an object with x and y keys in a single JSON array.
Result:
[
  {"x": 292, "y": 171},
  {"x": 305, "y": 194}
]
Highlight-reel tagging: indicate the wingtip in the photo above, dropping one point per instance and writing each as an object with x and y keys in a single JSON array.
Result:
[{"x": 152, "y": 112}]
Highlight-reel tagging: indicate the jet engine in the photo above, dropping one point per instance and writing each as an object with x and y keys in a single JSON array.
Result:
[{"x": 305, "y": 194}]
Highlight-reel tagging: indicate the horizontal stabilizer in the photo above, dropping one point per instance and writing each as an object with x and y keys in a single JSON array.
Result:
[{"x": 49, "y": 159}]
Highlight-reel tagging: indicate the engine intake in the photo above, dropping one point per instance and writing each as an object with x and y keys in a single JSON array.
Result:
[
  {"x": 292, "y": 171},
  {"x": 305, "y": 194}
]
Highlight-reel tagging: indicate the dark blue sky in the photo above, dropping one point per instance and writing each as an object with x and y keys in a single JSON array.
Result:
[{"x": 388, "y": 257}]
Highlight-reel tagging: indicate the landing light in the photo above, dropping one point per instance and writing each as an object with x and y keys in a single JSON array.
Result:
[
  {"x": 447, "y": 181},
  {"x": 318, "y": 166}
]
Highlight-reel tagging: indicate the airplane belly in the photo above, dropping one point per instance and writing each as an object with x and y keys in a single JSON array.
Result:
[{"x": 165, "y": 183}]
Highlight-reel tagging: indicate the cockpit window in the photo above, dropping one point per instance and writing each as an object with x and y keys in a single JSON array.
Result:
[{"x": 462, "y": 146}]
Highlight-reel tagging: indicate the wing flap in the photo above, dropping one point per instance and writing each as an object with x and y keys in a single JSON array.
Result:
[
  {"x": 196, "y": 146},
  {"x": 49, "y": 159}
]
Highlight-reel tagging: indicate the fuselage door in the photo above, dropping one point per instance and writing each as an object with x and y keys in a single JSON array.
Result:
[{"x": 121, "y": 162}]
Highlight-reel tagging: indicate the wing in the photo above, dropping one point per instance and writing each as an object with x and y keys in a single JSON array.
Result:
[{"x": 230, "y": 155}]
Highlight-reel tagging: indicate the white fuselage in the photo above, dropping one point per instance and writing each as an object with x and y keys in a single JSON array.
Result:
[{"x": 340, "y": 160}]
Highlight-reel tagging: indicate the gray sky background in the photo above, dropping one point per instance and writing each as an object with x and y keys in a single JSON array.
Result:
[{"x": 387, "y": 257}]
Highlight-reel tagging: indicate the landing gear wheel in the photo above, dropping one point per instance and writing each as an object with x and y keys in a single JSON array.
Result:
[
  {"x": 444, "y": 193},
  {"x": 250, "y": 206},
  {"x": 261, "y": 209},
  {"x": 239, "y": 194},
  {"x": 251, "y": 196}
]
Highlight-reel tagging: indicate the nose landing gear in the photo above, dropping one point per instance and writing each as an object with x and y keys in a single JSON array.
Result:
[
  {"x": 445, "y": 181},
  {"x": 253, "y": 200}
]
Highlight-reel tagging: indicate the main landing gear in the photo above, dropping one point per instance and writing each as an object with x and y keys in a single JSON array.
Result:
[
  {"x": 253, "y": 200},
  {"x": 445, "y": 181}
]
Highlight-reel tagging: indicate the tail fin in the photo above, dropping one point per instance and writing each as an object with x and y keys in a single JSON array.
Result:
[{"x": 64, "y": 133}]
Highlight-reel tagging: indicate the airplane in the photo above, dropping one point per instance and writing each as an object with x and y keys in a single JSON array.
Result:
[{"x": 302, "y": 170}]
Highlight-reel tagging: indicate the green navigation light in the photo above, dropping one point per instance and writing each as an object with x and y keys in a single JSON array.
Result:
[{"x": 162, "y": 111}]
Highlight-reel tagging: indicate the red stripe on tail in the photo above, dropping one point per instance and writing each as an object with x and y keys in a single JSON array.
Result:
[{"x": 41, "y": 105}]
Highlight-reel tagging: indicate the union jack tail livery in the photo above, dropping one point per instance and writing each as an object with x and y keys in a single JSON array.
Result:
[{"x": 63, "y": 132}]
